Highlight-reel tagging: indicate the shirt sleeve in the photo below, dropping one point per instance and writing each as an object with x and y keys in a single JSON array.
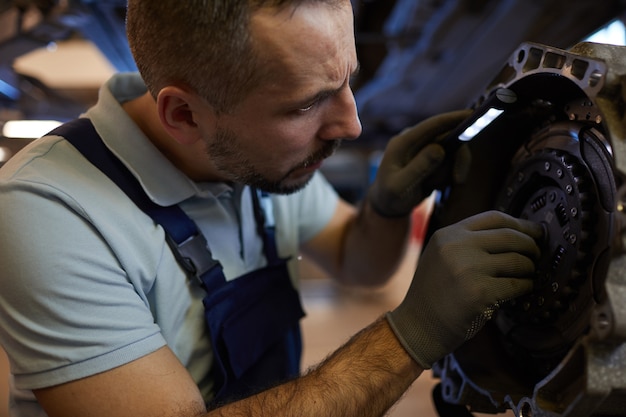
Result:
[{"x": 65, "y": 297}]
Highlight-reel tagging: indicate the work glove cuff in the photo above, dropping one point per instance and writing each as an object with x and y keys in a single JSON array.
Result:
[
  {"x": 383, "y": 210},
  {"x": 417, "y": 338},
  {"x": 426, "y": 338}
]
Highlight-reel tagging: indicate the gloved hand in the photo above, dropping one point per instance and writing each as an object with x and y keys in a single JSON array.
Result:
[
  {"x": 465, "y": 271},
  {"x": 409, "y": 159}
]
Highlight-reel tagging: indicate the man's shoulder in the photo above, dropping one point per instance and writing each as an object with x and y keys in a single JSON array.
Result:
[
  {"x": 51, "y": 169},
  {"x": 29, "y": 157}
]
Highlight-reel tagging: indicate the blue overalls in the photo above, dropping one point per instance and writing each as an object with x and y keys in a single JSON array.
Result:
[{"x": 253, "y": 321}]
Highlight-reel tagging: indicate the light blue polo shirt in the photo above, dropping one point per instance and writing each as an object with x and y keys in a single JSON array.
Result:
[{"x": 87, "y": 282}]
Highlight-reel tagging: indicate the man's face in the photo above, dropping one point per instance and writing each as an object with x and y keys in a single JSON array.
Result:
[{"x": 278, "y": 136}]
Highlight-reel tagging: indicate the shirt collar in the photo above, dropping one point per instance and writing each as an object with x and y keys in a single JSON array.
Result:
[{"x": 163, "y": 183}]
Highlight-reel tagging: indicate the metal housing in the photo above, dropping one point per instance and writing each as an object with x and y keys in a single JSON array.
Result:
[{"x": 557, "y": 158}]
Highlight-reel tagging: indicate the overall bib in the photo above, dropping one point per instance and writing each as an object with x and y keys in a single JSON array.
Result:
[{"x": 253, "y": 321}]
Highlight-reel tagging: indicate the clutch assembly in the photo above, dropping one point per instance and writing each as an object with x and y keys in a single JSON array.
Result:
[{"x": 553, "y": 152}]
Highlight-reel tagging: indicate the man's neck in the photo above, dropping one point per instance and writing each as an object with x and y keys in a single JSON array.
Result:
[{"x": 191, "y": 160}]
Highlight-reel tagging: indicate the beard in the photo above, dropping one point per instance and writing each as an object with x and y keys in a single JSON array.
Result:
[{"x": 231, "y": 162}]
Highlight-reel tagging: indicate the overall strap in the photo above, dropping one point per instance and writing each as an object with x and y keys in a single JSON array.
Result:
[
  {"x": 187, "y": 243},
  {"x": 264, "y": 218},
  {"x": 253, "y": 320}
]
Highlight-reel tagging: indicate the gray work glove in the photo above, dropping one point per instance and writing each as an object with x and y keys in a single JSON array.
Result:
[
  {"x": 409, "y": 159},
  {"x": 466, "y": 270}
]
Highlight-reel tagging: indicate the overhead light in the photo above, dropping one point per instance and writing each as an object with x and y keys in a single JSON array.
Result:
[{"x": 28, "y": 129}]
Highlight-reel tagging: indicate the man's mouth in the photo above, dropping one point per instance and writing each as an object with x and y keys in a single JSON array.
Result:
[
  {"x": 319, "y": 157},
  {"x": 312, "y": 165}
]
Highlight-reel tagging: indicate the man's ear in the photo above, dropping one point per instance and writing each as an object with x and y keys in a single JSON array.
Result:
[{"x": 178, "y": 110}]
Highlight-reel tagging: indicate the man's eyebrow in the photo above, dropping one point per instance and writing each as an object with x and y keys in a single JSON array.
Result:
[
  {"x": 319, "y": 96},
  {"x": 323, "y": 94}
]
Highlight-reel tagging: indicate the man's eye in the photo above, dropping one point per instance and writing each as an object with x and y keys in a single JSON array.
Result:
[{"x": 307, "y": 108}]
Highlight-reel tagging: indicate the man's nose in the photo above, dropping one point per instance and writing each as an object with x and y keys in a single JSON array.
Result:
[{"x": 342, "y": 118}]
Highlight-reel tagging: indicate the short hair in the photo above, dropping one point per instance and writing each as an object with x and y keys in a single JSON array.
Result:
[{"x": 203, "y": 45}]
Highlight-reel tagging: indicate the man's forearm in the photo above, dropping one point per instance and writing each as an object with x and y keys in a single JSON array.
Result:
[
  {"x": 374, "y": 247},
  {"x": 363, "y": 378}
]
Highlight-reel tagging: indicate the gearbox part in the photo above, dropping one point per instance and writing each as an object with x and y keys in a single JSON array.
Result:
[
  {"x": 553, "y": 158},
  {"x": 553, "y": 181}
]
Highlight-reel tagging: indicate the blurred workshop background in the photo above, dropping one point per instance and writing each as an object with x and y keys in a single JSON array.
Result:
[{"x": 418, "y": 58}]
